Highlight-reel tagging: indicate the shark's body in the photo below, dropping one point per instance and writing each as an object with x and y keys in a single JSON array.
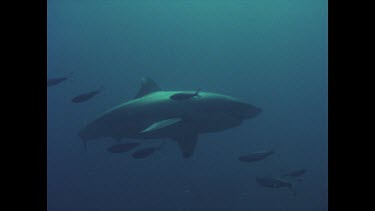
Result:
[{"x": 154, "y": 114}]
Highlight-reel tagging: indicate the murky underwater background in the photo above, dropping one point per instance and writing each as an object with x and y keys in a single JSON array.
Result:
[{"x": 270, "y": 53}]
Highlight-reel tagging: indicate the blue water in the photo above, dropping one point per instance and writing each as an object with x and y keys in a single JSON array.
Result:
[{"x": 270, "y": 53}]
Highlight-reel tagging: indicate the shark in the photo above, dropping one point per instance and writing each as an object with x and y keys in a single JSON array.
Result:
[{"x": 156, "y": 114}]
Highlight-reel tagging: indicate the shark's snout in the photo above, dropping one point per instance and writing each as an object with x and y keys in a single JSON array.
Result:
[
  {"x": 251, "y": 111},
  {"x": 244, "y": 110},
  {"x": 257, "y": 111}
]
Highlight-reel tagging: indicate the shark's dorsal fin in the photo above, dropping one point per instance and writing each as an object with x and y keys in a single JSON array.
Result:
[
  {"x": 161, "y": 124},
  {"x": 187, "y": 144},
  {"x": 147, "y": 86}
]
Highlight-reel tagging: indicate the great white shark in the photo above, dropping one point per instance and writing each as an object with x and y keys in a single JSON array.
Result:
[{"x": 153, "y": 114}]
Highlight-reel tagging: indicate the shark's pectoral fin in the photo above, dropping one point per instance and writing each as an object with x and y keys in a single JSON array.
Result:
[
  {"x": 187, "y": 144},
  {"x": 161, "y": 124}
]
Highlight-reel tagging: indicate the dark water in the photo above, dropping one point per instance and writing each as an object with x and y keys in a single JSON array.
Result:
[{"x": 271, "y": 53}]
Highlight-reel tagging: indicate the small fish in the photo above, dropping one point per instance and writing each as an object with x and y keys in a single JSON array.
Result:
[
  {"x": 86, "y": 96},
  {"x": 256, "y": 156},
  {"x": 120, "y": 148},
  {"x": 275, "y": 183},
  {"x": 294, "y": 174},
  {"x": 145, "y": 152},
  {"x": 55, "y": 81},
  {"x": 184, "y": 96}
]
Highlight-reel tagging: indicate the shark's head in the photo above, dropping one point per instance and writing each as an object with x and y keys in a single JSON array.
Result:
[
  {"x": 231, "y": 106},
  {"x": 246, "y": 110}
]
